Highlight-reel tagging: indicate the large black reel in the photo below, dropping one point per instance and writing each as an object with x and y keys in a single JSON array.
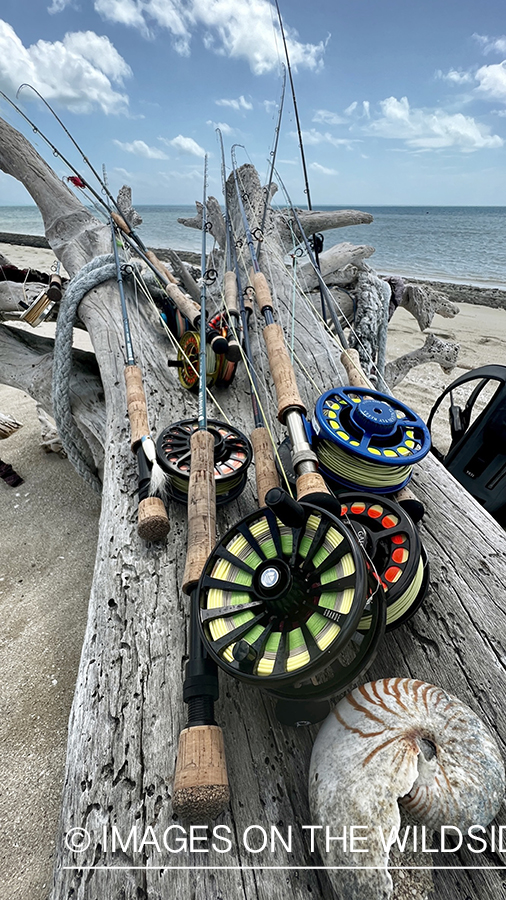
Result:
[
  {"x": 232, "y": 456},
  {"x": 278, "y": 605},
  {"x": 477, "y": 454},
  {"x": 394, "y": 552}
]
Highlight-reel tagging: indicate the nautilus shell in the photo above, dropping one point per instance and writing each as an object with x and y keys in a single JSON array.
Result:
[{"x": 398, "y": 741}]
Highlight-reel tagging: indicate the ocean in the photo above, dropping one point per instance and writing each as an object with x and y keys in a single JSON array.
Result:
[{"x": 446, "y": 243}]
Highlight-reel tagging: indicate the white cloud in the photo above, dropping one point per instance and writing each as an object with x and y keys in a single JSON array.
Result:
[
  {"x": 351, "y": 108},
  {"x": 314, "y": 137},
  {"x": 224, "y": 128},
  {"x": 326, "y": 117},
  {"x": 185, "y": 145},
  {"x": 489, "y": 44},
  {"x": 58, "y": 5},
  {"x": 322, "y": 169},
  {"x": 492, "y": 81},
  {"x": 240, "y": 103},
  {"x": 430, "y": 130},
  {"x": 77, "y": 72},
  {"x": 240, "y": 29},
  {"x": 454, "y": 76},
  {"x": 139, "y": 148}
]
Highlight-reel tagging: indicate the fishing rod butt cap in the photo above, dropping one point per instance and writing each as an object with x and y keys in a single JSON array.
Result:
[
  {"x": 410, "y": 504},
  {"x": 153, "y": 522},
  {"x": 351, "y": 362},
  {"x": 200, "y": 790},
  {"x": 266, "y": 474}
]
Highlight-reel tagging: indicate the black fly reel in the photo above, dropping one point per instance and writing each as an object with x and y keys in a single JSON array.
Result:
[
  {"x": 280, "y": 604},
  {"x": 477, "y": 454},
  {"x": 232, "y": 456},
  {"x": 394, "y": 552}
]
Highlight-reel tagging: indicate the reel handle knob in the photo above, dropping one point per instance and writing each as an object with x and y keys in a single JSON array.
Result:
[
  {"x": 285, "y": 507},
  {"x": 216, "y": 340}
]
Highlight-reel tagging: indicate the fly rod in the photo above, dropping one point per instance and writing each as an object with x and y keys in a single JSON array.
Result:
[
  {"x": 188, "y": 308},
  {"x": 272, "y": 160},
  {"x": 153, "y": 523},
  {"x": 289, "y": 567},
  {"x": 356, "y": 377},
  {"x": 265, "y": 467},
  {"x": 318, "y": 239},
  {"x": 200, "y": 780}
]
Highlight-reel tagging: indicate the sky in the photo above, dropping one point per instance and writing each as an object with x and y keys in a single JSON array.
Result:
[{"x": 400, "y": 103}]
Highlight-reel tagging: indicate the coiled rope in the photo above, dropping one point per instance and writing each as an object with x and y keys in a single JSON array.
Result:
[{"x": 94, "y": 273}]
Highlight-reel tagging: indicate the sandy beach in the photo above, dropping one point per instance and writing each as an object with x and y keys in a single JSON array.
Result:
[{"x": 49, "y": 533}]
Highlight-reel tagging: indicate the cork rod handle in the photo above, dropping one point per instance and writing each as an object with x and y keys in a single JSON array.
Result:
[
  {"x": 282, "y": 372},
  {"x": 265, "y": 467},
  {"x": 201, "y": 507}
]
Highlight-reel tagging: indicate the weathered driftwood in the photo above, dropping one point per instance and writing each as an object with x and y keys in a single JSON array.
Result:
[
  {"x": 332, "y": 262},
  {"x": 434, "y": 350},
  {"x": 128, "y": 710}
]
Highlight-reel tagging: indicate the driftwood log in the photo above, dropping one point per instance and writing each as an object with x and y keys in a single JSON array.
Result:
[{"x": 128, "y": 709}]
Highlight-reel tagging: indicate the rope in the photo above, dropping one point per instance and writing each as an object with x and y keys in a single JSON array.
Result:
[{"x": 94, "y": 273}]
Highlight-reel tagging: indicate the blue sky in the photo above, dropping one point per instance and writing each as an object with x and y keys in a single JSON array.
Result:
[{"x": 400, "y": 103}]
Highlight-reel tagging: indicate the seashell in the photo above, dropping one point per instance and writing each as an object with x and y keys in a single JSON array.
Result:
[{"x": 398, "y": 741}]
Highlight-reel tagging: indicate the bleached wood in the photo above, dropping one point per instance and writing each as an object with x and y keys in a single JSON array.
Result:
[
  {"x": 128, "y": 709},
  {"x": 333, "y": 261}
]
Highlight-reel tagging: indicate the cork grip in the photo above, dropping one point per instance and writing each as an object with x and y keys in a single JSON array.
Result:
[
  {"x": 231, "y": 292},
  {"x": 351, "y": 362},
  {"x": 281, "y": 368},
  {"x": 201, "y": 507},
  {"x": 262, "y": 290},
  {"x": 153, "y": 523},
  {"x": 120, "y": 222},
  {"x": 136, "y": 403},
  {"x": 160, "y": 266},
  {"x": 265, "y": 467},
  {"x": 311, "y": 483},
  {"x": 200, "y": 782},
  {"x": 185, "y": 305}
]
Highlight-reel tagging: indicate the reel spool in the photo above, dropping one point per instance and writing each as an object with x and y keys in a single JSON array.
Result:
[
  {"x": 232, "y": 456},
  {"x": 367, "y": 440},
  {"x": 188, "y": 362},
  {"x": 219, "y": 370},
  {"x": 279, "y": 603},
  {"x": 397, "y": 557},
  {"x": 38, "y": 310}
]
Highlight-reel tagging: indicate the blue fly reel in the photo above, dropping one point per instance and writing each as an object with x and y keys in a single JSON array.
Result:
[{"x": 368, "y": 440}]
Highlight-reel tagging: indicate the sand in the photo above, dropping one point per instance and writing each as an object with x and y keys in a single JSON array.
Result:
[{"x": 49, "y": 534}]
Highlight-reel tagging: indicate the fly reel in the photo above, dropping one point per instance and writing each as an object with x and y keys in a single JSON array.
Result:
[
  {"x": 280, "y": 603},
  {"x": 232, "y": 456},
  {"x": 367, "y": 440},
  {"x": 188, "y": 362},
  {"x": 219, "y": 370},
  {"x": 392, "y": 545}
]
